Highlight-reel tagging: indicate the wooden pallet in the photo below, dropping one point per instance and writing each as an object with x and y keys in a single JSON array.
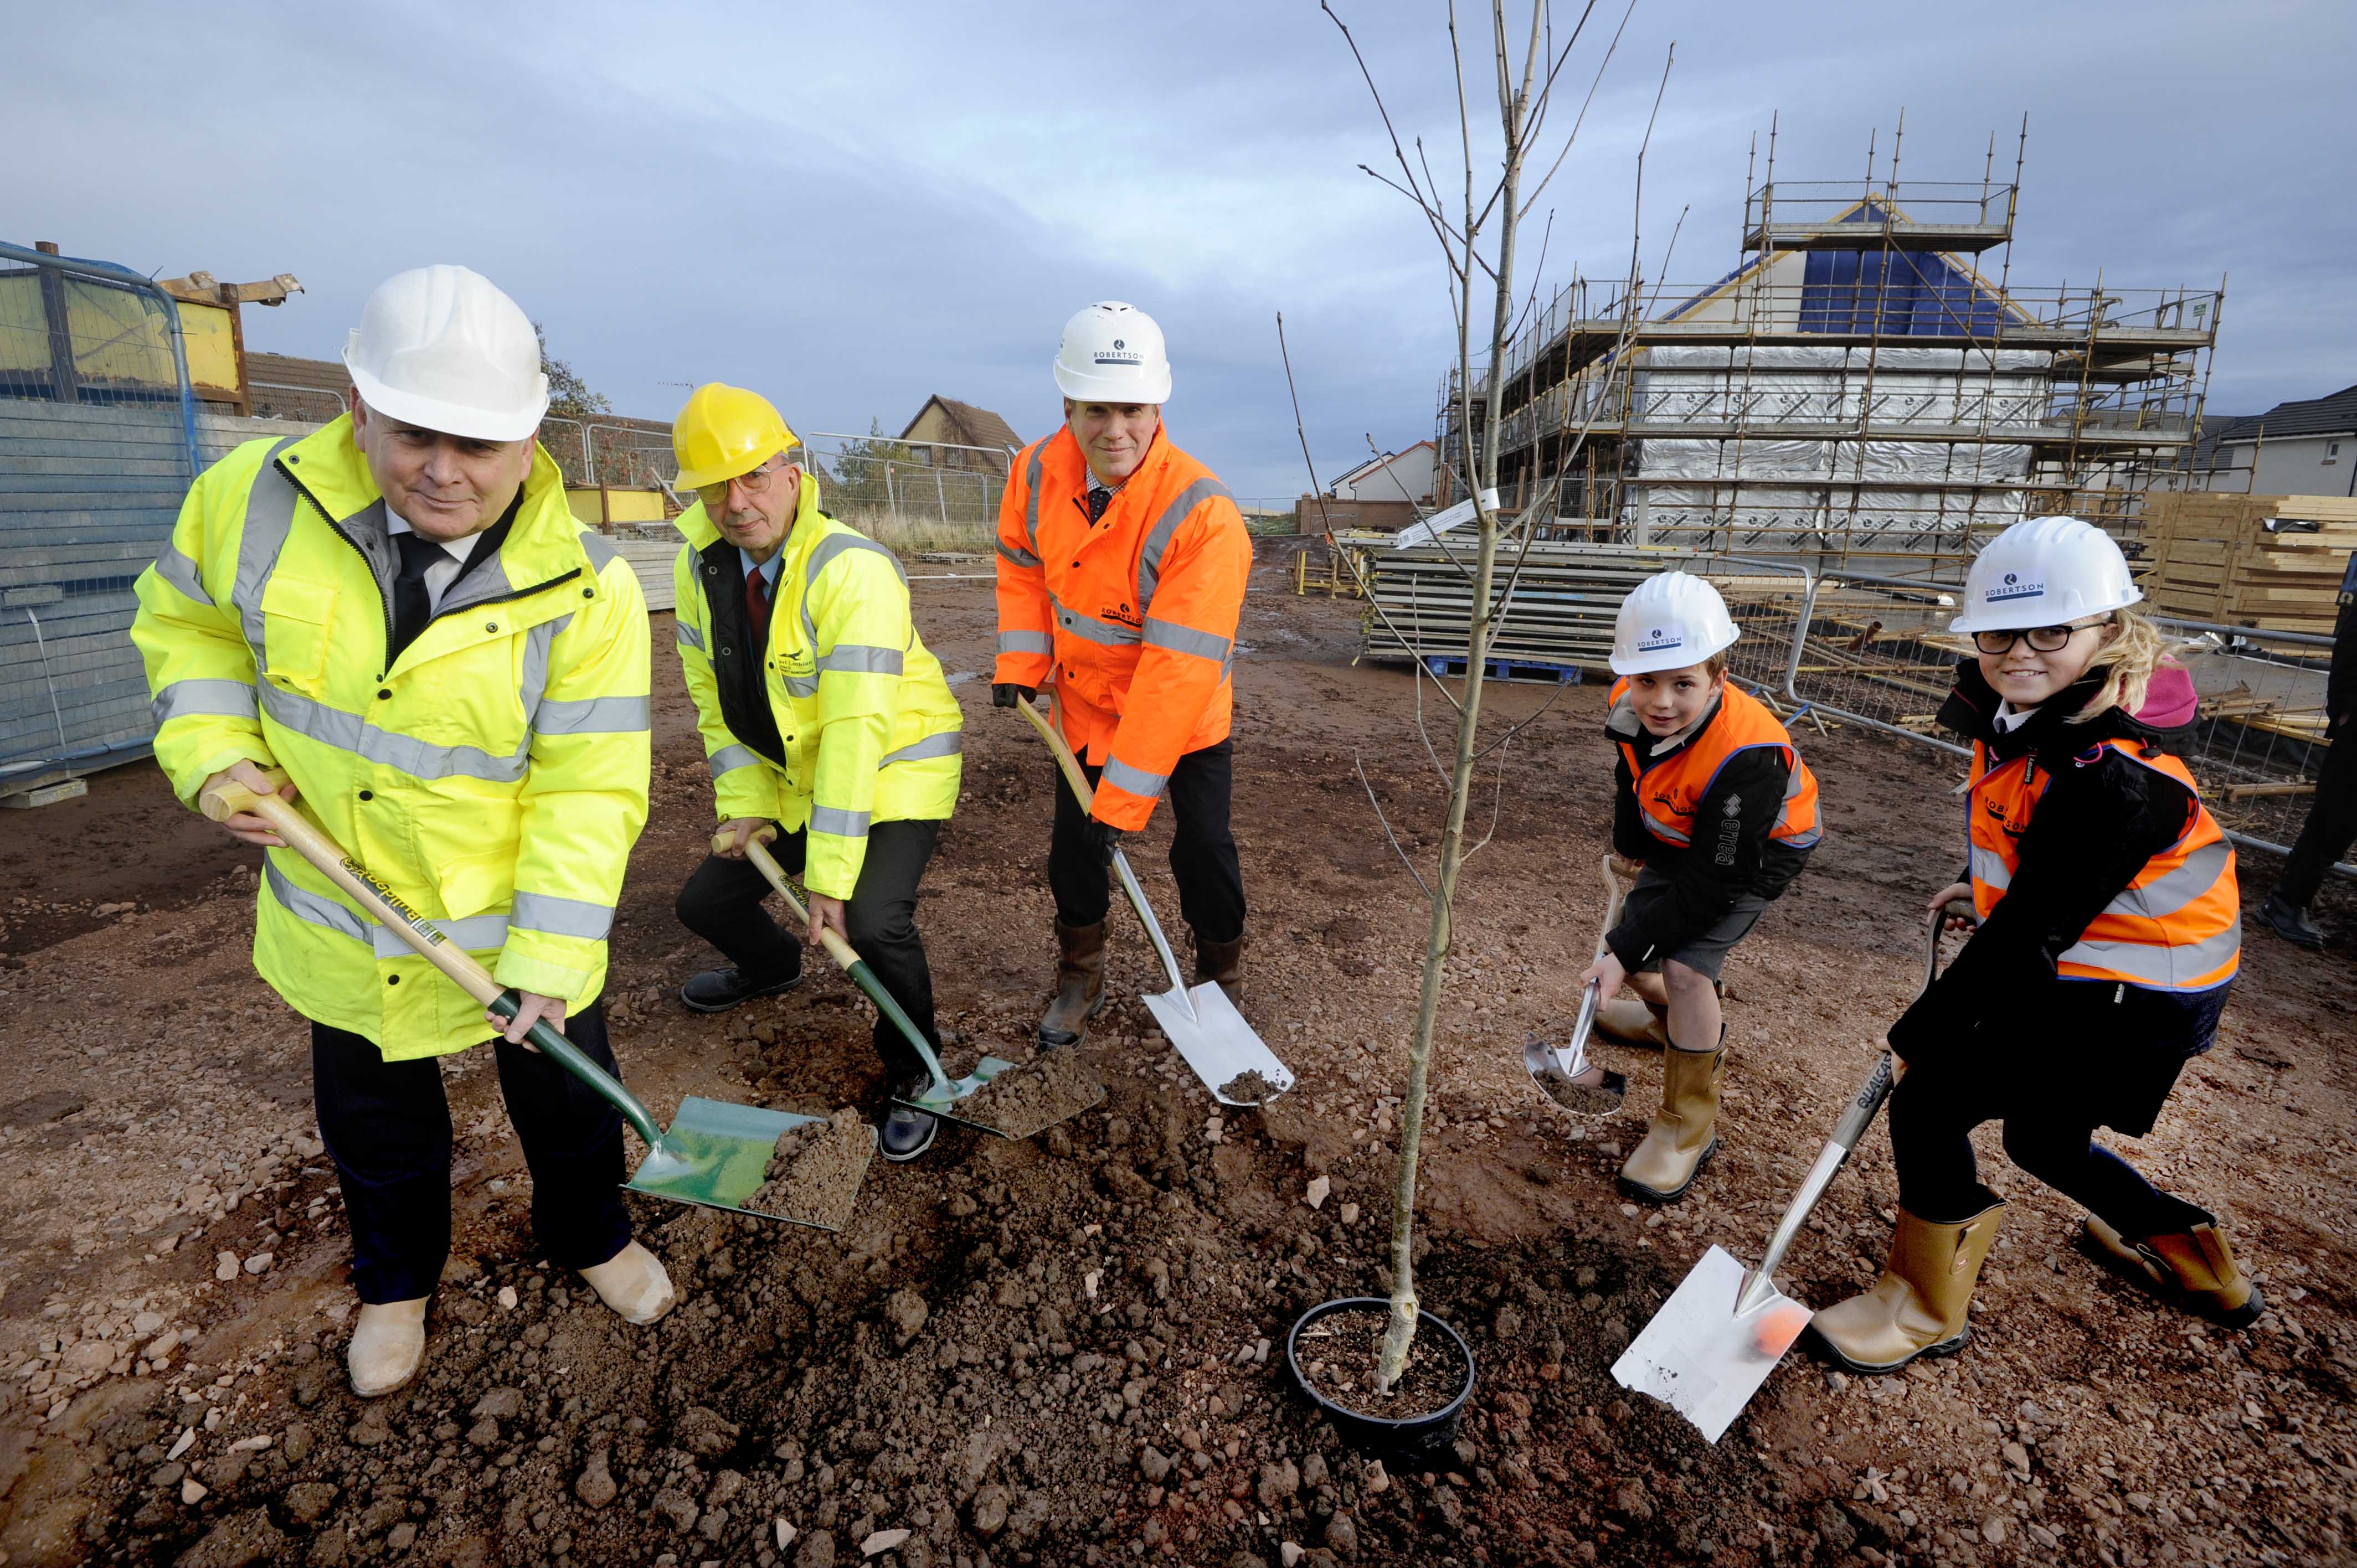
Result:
[{"x": 2271, "y": 562}]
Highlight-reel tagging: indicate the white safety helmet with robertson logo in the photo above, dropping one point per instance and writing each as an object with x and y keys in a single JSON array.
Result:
[
  {"x": 1113, "y": 353},
  {"x": 442, "y": 348},
  {"x": 1668, "y": 622},
  {"x": 2047, "y": 571}
]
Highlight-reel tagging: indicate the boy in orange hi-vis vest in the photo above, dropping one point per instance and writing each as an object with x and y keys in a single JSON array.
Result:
[
  {"x": 2110, "y": 930},
  {"x": 1716, "y": 806}
]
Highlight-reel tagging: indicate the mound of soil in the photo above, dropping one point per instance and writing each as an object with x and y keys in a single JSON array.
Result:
[
  {"x": 1025, "y": 1101},
  {"x": 813, "y": 1177},
  {"x": 1247, "y": 1088}
]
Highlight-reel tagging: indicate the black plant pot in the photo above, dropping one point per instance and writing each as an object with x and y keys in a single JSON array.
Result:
[{"x": 1381, "y": 1435}]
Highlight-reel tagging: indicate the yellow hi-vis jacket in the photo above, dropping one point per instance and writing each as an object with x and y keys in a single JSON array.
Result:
[
  {"x": 494, "y": 777},
  {"x": 847, "y": 720}
]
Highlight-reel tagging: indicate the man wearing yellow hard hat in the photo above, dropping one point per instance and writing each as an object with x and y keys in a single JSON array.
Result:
[{"x": 822, "y": 714}]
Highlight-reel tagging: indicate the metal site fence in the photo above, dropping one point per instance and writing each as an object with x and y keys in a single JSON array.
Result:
[
  {"x": 98, "y": 444},
  {"x": 1875, "y": 651}
]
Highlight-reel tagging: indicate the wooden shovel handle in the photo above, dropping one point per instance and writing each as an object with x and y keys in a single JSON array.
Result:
[
  {"x": 228, "y": 798},
  {"x": 1064, "y": 757},
  {"x": 767, "y": 864},
  {"x": 303, "y": 836}
]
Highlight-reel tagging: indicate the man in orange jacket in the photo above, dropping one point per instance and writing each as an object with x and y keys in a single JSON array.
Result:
[{"x": 1122, "y": 563}]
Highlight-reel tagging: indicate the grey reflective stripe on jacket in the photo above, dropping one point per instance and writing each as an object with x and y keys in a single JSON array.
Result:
[
  {"x": 1170, "y": 635},
  {"x": 1158, "y": 537},
  {"x": 212, "y": 698},
  {"x": 1026, "y": 642},
  {"x": 561, "y": 917},
  {"x": 948, "y": 743},
  {"x": 2161, "y": 967},
  {"x": 181, "y": 572},
  {"x": 476, "y": 933},
  {"x": 859, "y": 659},
  {"x": 269, "y": 518},
  {"x": 729, "y": 759},
  {"x": 690, "y": 636},
  {"x": 836, "y": 820},
  {"x": 1031, "y": 500},
  {"x": 1088, "y": 629},
  {"x": 1136, "y": 780}
]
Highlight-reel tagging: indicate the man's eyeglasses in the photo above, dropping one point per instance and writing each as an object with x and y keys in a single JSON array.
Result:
[
  {"x": 2041, "y": 639},
  {"x": 754, "y": 483}
]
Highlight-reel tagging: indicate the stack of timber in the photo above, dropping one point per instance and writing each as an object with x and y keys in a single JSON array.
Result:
[
  {"x": 2270, "y": 562},
  {"x": 1559, "y": 619},
  {"x": 652, "y": 560}
]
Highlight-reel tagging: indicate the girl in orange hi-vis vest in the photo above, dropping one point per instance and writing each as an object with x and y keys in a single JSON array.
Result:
[
  {"x": 2109, "y": 932},
  {"x": 1716, "y": 806}
]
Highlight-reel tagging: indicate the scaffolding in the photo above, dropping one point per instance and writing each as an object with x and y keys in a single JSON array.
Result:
[{"x": 1864, "y": 389}]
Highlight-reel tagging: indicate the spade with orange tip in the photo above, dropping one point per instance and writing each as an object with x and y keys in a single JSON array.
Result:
[{"x": 1723, "y": 1330}]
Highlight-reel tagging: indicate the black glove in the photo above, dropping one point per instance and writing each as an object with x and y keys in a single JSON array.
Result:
[
  {"x": 1007, "y": 696},
  {"x": 1101, "y": 839}
]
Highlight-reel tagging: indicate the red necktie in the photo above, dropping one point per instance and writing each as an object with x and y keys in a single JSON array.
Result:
[{"x": 757, "y": 605}]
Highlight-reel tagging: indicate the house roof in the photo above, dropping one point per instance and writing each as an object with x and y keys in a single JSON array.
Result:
[
  {"x": 1374, "y": 464},
  {"x": 2335, "y": 413},
  {"x": 972, "y": 426}
]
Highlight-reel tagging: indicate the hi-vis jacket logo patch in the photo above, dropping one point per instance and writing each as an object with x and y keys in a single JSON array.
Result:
[{"x": 1127, "y": 617}]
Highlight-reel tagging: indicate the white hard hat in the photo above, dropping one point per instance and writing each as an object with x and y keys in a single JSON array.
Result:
[
  {"x": 1668, "y": 622},
  {"x": 1113, "y": 353},
  {"x": 442, "y": 348},
  {"x": 2045, "y": 572}
]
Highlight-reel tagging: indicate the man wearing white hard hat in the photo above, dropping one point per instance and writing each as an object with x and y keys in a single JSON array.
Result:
[
  {"x": 399, "y": 618},
  {"x": 1712, "y": 801},
  {"x": 1122, "y": 563}
]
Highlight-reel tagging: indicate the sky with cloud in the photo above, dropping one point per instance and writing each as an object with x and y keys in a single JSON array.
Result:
[{"x": 852, "y": 206}]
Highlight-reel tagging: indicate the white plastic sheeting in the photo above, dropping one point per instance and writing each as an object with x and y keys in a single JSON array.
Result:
[{"x": 1781, "y": 410}]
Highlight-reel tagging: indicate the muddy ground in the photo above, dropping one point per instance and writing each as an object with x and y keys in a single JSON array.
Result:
[{"x": 1070, "y": 1350}]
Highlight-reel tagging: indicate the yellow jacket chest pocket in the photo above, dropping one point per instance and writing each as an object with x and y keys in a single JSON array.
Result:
[{"x": 299, "y": 622}]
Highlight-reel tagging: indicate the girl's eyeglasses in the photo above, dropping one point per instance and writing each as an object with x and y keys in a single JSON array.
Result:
[{"x": 2041, "y": 639}]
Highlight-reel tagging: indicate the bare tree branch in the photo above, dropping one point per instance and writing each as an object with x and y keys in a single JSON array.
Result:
[
  {"x": 1378, "y": 805},
  {"x": 1569, "y": 141}
]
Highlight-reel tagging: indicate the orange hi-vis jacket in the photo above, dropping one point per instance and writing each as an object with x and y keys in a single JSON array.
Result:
[
  {"x": 1670, "y": 792},
  {"x": 1132, "y": 618},
  {"x": 2178, "y": 925}
]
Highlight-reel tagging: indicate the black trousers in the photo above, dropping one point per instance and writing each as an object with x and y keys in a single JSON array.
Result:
[
  {"x": 1202, "y": 849},
  {"x": 387, "y": 1126},
  {"x": 1933, "y": 1112},
  {"x": 2331, "y": 825},
  {"x": 722, "y": 904}
]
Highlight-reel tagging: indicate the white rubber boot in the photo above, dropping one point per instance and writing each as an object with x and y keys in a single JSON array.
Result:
[
  {"x": 632, "y": 1282},
  {"x": 388, "y": 1343}
]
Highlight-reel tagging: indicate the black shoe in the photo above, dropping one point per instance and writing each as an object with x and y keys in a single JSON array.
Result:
[
  {"x": 907, "y": 1132},
  {"x": 2289, "y": 923},
  {"x": 718, "y": 989}
]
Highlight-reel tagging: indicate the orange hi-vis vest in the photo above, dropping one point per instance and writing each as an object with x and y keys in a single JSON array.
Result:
[
  {"x": 1669, "y": 792},
  {"x": 1133, "y": 616},
  {"x": 2177, "y": 926}
]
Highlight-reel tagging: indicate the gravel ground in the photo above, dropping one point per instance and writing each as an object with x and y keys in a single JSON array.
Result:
[{"x": 1068, "y": 1349}]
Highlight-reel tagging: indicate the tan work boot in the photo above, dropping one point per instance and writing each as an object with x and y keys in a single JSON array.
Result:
[
  {"x": 1079, "y": 985},
  {"x": 2195, "y": 1269},
  {"x": 1665, "y": 1162},
  {"x": 388, "y": 1343},
  {"x": 634, "y": 1283},
  {"x": 1633, "y": 1021},
  {"x": 1222, "y": 962},
  {"x": 1918, "y": 1308}
]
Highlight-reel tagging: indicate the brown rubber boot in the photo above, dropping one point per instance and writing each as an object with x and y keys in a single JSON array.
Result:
[
  {"x": 1224, "y": 962},
  {"x": 1918, "y": 1308},
  {"x": 1672, "y": 1153},
  {"x": 1079, "y": 985},
  {"x": 1633, "y": 1021},
  {"x": 2195, "y": 1269}
]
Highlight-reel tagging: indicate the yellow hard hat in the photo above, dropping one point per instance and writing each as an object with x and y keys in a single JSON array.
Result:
[{"x": 726, "y": 431}]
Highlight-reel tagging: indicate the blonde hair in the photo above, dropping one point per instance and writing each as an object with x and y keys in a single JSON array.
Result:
[{"x": 2128, "y": 661}]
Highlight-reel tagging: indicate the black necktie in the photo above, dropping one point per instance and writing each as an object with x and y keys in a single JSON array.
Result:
[
  {"x": 1097, "y": 500},
  {"x": 413, "y": 606}
]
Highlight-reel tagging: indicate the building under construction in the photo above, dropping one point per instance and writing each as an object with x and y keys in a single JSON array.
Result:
[{"x": 1867, "y": 389}]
